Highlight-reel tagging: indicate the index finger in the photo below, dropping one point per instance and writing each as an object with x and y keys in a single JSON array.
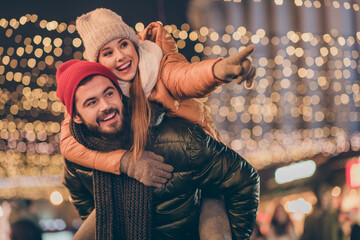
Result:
[{"x": 244, "y": 53}]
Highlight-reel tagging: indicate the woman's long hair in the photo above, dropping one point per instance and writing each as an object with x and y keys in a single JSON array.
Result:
[{"x": 140, "y": 119}]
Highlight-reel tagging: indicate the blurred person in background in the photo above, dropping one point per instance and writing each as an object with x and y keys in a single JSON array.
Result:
[
  {"x": 281, "y": 226},
  {"x": 323, "y": 222},
  {"x": 355, "y": 227},
  {"x": 24, "y": 223},
  {"x": 355, "y": 232},
  {"x": 25, "y": 229}
]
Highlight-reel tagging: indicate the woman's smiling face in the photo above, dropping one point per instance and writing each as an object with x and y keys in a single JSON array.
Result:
[{"x": 121, "y": 58}]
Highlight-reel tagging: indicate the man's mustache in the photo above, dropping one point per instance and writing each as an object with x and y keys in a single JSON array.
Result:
[{"x": 106, "y": 112}]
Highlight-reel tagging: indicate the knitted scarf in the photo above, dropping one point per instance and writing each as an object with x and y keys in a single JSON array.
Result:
[{"x": 123, "y": 205}]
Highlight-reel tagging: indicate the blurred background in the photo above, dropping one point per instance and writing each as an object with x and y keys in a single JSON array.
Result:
[{"x": 298, "y": 126}]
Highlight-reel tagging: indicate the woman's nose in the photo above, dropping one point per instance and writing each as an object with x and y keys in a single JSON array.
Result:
[{"x": 119, "y": 55}]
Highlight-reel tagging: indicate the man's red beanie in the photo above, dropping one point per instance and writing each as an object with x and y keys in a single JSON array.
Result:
[{"x": 70, "y": 74}]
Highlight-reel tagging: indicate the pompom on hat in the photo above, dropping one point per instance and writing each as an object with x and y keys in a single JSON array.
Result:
[
  {"x": 100, "y": 26},
  {"x": 71, "y": 73}
]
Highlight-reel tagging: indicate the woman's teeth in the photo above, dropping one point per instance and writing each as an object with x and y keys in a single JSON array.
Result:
[{"x": 123, "y": 67}]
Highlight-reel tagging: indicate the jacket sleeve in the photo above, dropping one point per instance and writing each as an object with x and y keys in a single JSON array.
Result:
[
  {"x": 79, "y": 154},
  {"x": 80, "y": 194},
  {"x": 188, "y": 80},
  {"x": 232, "y": 176},
  {"x": 181, "y": 78}
]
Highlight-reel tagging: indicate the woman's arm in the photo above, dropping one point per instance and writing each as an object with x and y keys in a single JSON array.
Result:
[
  {"x": 148, "y": 169},
  {"x": 195, "y": 80},
  {"x": 73, "y": 151}
]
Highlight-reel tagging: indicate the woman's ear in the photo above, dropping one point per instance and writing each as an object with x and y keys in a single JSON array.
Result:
[{"x": 78, "y": 119}]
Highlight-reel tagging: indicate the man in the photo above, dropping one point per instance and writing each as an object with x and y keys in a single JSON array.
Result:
[{"x": 202, "y": 166}]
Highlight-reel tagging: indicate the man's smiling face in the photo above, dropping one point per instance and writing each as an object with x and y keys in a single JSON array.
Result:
[{"x": 99, "y": 106}]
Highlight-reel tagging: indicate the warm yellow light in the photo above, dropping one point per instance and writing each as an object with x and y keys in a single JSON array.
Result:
[
  {"x": 185, "y": 27},
  {"x": 199, "y": 47},
  {"x": 317, "y": 4},
  {"x": 181, "y": 44},
  {"x": 216, "y": 49},
  {"x": 71, "y": 28},
  {"x": 226, "y": 38},
  {"x": 183, "y": 35},
  {"x": 336, "y": 4},
  {"x": 56, "y": 198},
  {"x": 6, "y": 60},
  {"x": 193, "y": 36},
  {"x": 61, "y": 27},
  {"x": 356, "y": 7},
  {"x": 168, "y": 28},
  {"x": 204, "y": 31},
  {"x": 214, "y": 36},
  {"x": 336, "y": 191},
  {"x": 77, "y": 42},
  {"x": 298, "y": 3},
  {"x": 139, "y": 26}
]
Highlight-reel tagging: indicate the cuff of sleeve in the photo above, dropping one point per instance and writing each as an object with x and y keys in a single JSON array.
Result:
[
  {"x": 212, "y": 71},
  {"x": 109, "y": 161}
]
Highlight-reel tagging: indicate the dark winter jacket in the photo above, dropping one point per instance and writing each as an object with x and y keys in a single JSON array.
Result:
[{"x": 202, "y": 166}]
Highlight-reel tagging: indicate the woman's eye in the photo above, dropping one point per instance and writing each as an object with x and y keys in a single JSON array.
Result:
[
  {"x": 123, "y": 44},
  {"x": 107, "y": 53}
]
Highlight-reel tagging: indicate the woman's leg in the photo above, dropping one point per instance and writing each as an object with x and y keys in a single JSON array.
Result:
[
  {"x": 214, "y": 222},
  {"x": 87, "y": 229}
]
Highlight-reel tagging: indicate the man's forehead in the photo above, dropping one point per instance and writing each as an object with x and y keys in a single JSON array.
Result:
[{"x": 92, "y": 87}]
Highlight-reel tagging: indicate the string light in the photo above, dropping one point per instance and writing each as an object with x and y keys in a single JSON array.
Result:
[
  {"x": 29, "y": 130},
  {"x": 348, "y": 5}
]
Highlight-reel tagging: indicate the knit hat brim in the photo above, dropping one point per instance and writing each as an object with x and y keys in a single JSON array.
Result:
[
  {"x": 71, "y": 73},
  {"x": 100, "y": 26}
]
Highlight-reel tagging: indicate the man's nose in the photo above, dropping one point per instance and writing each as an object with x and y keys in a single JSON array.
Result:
[{"x": 104, "y": 105}]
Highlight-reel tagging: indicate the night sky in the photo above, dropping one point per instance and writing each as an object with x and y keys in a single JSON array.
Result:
[{"x": 132, "y": 11}]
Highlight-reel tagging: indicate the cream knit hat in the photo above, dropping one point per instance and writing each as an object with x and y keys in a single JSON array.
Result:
[{"x": 100, "y": 26}]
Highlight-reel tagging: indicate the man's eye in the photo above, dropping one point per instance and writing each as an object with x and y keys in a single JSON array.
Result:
[{"x": 91, "y": 103}]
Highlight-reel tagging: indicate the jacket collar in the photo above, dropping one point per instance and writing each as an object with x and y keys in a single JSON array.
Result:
[{"x": 157, "y": 114}]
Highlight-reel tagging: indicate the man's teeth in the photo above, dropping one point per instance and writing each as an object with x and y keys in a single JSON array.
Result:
[
  {"x": 124, "y": 66},
  {"x": 109, "y": 117}
]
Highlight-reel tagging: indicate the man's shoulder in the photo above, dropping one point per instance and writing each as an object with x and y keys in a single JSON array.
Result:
[{"x": 178, "y": 128}]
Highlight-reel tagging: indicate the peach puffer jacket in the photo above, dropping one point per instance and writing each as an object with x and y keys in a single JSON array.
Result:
[{"x": 179, "y": 83}]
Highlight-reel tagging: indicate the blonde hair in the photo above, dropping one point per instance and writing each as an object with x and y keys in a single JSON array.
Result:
[{"x": 140, "y": 119}]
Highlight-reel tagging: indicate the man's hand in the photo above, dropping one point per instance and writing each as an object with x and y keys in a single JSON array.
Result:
[
  {"x": 237, "y": 67},
  {"x": 149, "y": 169}
]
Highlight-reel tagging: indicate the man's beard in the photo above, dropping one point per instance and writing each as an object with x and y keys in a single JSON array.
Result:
[{"x": 117, "y": 132}]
